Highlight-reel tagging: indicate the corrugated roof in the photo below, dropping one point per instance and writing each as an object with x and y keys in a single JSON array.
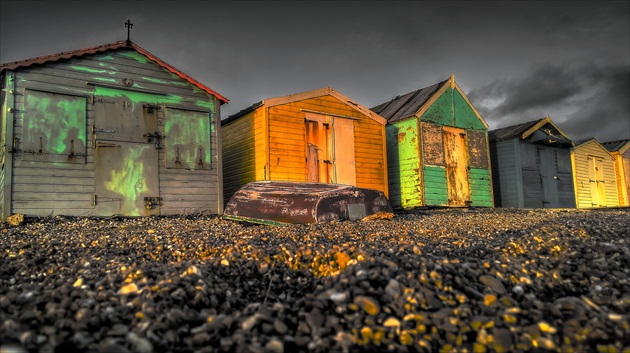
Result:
[
  {"x": 510, "y": 132},
  {"x": 406, "y": 105},
  {"x": 613, "y": 146},
  {"x": 103, "y": 48}
]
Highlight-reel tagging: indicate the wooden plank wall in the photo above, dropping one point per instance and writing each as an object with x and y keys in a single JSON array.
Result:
[
  {"x": 287, "y": 142},
  {"x": 531, "y": 185},
  {"x": 479, "y": 175},
  {"x": 480, "y": 187},
  {"x": 581, "y": 169},
  {"x": 625, "y": 168},
  {"x": 47, "y": 188},
  {"x": 6, "y": 135},
  {"x": 566, "y": 195},
  {"x": 506, "y": 173},
  {"x": 2, "y": 203},
  {"x": 243, "y": 152},
  {"x": 622, "y": 164},
  {"x": 435, "y": 186},
  {"x": 186, "y": 191},
  {"x": 403, "y": 153}
]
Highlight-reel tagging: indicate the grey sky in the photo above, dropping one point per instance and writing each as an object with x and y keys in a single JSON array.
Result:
[{"x": 516, "y": 61}]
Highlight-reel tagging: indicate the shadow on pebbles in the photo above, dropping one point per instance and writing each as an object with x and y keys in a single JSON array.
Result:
[{"x": 499, "y": 280}]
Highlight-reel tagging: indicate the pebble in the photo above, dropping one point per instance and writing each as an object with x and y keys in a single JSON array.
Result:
[{"x": 498, "y": 280}]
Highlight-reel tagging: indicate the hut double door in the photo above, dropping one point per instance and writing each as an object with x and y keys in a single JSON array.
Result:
[
  {"x": 126, "y": 158},
  {"x": 596, "y": 181},
  {"x": 330, "y": 150},
  {"x": 456, "y": 160}
]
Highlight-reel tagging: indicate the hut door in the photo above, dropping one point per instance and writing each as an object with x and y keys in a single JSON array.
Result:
[
  {"x": 126, "y": 158},
  {"x": 319, "y": 165},
  {"x": 548, "y": 177},
  {"x": 596, "y": 181},
  {"x": 343, "y": 150},
  {"x": 311, "y": 160},
  {"x": 456, "y": 158},
  {"x": 330, "y": 150}
]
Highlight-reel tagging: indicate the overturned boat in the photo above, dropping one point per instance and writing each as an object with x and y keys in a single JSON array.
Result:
[{"x": 281, "y": 202}]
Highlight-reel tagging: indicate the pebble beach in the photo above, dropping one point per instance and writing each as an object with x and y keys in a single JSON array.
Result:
[{"x": 454, "y": 280}]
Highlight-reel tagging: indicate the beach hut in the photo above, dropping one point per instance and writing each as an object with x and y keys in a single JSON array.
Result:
[
  {"x": 107, "y": 130},
  {"x": 531, "y": 166},
  {"x": 437, "y": 149},
  {"x": 594, "y": 177},
  {"x": 315, "y": 136},
  {"x": 620, "y": 151}
]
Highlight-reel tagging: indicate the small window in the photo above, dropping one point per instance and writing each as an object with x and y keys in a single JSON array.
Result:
[
  {"x": 564, "y": 161},
  {"x": 432, "y": 144},
  {"x": 477, "y": 148},
  {"x": 54, "y": 127},
  {"x": 187, "y": 139}
]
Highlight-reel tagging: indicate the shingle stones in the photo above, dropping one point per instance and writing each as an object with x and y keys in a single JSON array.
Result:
[{"x": 427, "y": 281}]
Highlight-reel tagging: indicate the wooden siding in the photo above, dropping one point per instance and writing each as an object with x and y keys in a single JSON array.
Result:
[
  {"x": 244, "y": 158},
  {"x": 582, "y": 180},
  {"x": 480, "y": 187},
  {"x": 530, "y": 169},
  {"x": 425, "y": 170},
  {"x": 622, "y": 176},
  {"x": 189, "y": 190},
  {"x": 540, "y": 164},
  {"x": 625, "y": 163},
  {"x": 441, "y": 111},
  {"x": 6, "y": 136},
  {"x": 405, "y": 184},
  {"x": 101, "y": 76},
  {"x": 464, "y": 115},
  {"x": 480, "y": 176},
  {"x": 566, "y": 195},
  {"x": 435, "y": 186},
  {"x": 287, "y": 141},
  {"x": 506, "y": 173}
]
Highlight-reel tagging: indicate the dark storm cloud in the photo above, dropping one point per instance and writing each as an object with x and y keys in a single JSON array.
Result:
[
  {"x": 585, "y": 101},
  {"x": 516, "y": 60}
]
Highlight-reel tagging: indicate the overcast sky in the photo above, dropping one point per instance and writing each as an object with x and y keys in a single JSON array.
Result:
[{"x": 516, "y": 61}]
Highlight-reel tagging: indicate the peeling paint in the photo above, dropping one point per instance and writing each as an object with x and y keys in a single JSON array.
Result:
[
  {"x": 128, "y": 181},
  {"x": 205, "y": 104},
  {"x": 154, "y": 80},
  {"x": 136, "y": 97},
  {"x": 187, "y": 138},
  {"x": 137, "y": 56},
  {"x": 108, "y": 66},
  {"x": 106, "y": 79},
  {"x": 92, "y": 70},
  {"x": 52, "y": 120}
]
